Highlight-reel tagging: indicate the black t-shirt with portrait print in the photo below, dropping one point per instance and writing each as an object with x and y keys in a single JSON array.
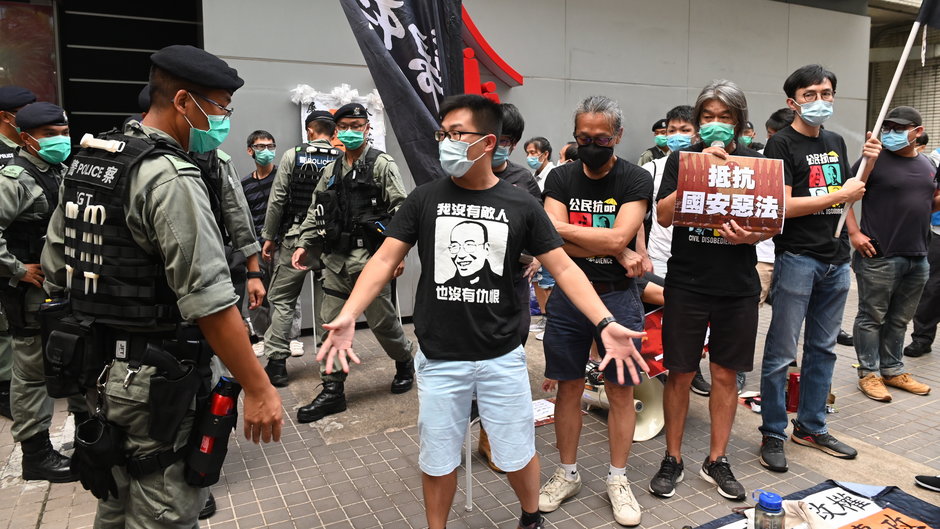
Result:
[
  {"x": 469, "y": 243},
  {"x": 812, "y": 167},
  {"x": 702, "y": 260},
  {"x": 596, "y": 203}
]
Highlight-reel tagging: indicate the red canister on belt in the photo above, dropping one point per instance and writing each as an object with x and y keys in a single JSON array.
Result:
[{"x": 793, "y": 392}]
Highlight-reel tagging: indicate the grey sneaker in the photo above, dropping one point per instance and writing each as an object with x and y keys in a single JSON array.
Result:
[
  {"x": 822, "y": 441},
  {"x": 700, "y": 385},
  {"x": 772, "y": 456},
  {"x": 718, "y": 473},
  {"x": 557, "y": 489},
  {"x": 664, "y": 482}
]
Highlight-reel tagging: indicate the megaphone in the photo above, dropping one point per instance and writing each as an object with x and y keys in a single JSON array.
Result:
[{"x": 647, "y": 401}]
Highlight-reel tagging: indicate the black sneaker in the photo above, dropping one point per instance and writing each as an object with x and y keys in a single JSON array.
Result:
[
  {"x": 916, "y": 349},
  {"x": 771, "y": 454},
  {"x": 718, "y": 473},
  {"x": 208, "y": 509},
  {"x": 822, "y": 441},
  {"x": 845, "y": 338},
  {"x": 664, "y": 482},
  {"x": 741, "y": 379},
  {"x": 534, "y": 525},
  {"x": 928, "y": 482},
  {"x": 699, "y": 385}
]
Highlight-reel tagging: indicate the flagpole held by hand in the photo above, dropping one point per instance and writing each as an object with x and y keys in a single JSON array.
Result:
[{"x": 860, "y": 174}]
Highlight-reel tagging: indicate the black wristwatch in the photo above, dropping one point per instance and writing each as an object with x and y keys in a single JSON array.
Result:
[
  {"x": 255, "y": 275},
  {"x": 603, "y": 324}
]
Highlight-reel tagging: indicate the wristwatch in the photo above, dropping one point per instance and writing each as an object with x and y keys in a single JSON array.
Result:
[
  {"x": 255, "y": 275},
  {"x": 604, "y": 323}
]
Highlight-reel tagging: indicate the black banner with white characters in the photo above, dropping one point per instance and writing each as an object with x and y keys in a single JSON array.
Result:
[{"x": 414, "y": 52}]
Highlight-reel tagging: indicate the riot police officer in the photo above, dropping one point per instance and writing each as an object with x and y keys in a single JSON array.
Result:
[
  {"x": 29, "y": 188},
  {"x": 353, "y": 203},
  {"x": 297, "y": 176},
  {"x": 12, "y": 99},
  {"x": 155, "y": 260}
]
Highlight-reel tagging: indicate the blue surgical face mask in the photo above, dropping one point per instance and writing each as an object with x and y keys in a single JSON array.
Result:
[
  {"x": 453, "y": 156},
  {"x": 54, "y": 149},
  {"x": 264, "y": 157},
  {"x": 500, "y": 155},
  {"x": 202, "y": 141},
  {"x": 895, "y": 140},
  {"x": 533, "y": 162},
  {"x": 677, "y": 142},
  {"x": 815, "y": 113}
]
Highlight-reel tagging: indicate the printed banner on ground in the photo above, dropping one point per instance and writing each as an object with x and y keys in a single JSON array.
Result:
[{"x": 712, "y": 191}]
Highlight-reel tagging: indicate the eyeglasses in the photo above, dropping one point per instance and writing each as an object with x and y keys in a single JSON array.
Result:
[
  {"x": 258, "y": 147},
  {"x": 358, "y": 127},
  {"x": 602, "y": 141},
  {"x": 228, "y": 111},
  {"x": 468, "y": 247},
  {"x": 453, "y": 135},
  {"x": 505, "y": 142},
  {"x": 826, "y": 95},
  {"x": 894, "y": 127}
]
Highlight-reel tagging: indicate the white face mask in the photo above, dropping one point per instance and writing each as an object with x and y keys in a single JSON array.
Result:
[{"x": 453, "y": 156}]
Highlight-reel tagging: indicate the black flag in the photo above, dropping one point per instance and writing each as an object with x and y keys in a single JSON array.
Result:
[
  {"x": 414, "y": 53},
  {"x": 929, "y": 14}
]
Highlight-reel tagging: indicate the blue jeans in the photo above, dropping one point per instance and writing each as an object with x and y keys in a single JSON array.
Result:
[
  {"x": 888, "y": 291},
  {"x": 803, "y": 289}
]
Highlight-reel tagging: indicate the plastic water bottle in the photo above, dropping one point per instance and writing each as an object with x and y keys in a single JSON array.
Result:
[{"x": 768, "y": 513}]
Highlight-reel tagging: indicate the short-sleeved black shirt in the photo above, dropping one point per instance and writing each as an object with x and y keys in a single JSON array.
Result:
[
  {"x": 897, "y": 203},
  {"x": 469, "y": 243},
  {"x": 812, "y": 167},
  {"x": 596, "y": 203},
  {"x": 702, "y": 260},
  {"x": 522, "y": 178}
]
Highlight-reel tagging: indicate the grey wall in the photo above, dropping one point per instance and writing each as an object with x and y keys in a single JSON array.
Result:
[{"x": 649, "y": 55}]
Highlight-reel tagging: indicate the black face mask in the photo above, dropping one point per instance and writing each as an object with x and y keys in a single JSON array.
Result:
[{"x": 594, "y": 156}]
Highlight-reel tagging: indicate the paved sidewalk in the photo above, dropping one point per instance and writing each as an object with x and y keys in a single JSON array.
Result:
[{"x": 359, "y": 469}]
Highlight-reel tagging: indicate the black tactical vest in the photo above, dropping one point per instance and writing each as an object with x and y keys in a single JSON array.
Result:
[
  {"x": 309, "y": 161},
  {"x": 6, "y": 154},
  {"x": 211, "y": 170},
  {"x": 352, "y": 211},
  {"x": 25, "y": 238},
  {"x": 131, "y": 287}
]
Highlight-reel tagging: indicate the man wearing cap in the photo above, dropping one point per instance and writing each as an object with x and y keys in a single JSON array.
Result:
[
  {"x": 158, "y": 213},
  {"x": 12, "y": 99},
  {"x": 890, "y": 259},
  {"x": 660, "y": 150},
  {"x": 28, "y": 193},
  {"x": 297, "y": 176},
  {"x": 352, "y": 206}
]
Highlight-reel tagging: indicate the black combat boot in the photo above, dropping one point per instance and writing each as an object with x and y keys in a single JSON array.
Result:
[
  {"x": 42, "y": 462},
  {"x": 331, "y": 400},
  {"x": 5, "y": 400},
  {"x": 208, "y": 509},
  {"x": 277, "y": 372},
  {"x": 404, "y": 377}
]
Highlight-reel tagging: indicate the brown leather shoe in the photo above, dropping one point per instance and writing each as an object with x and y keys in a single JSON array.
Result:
[
  {"x": 906, "y": 382},
  {"x": 874, "y": 388},
  {"x": 485, "y": 452}
]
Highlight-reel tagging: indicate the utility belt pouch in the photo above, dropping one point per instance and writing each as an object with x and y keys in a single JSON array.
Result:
[
  {"x": 210, "y": 437},
  {"x": 70, "y": 360},
  {"x": 13, "y": 300},
  {"x": 372, "y": 230},
  {"x": 172, "y": 390},
  {"x": 99, "y": 445}
]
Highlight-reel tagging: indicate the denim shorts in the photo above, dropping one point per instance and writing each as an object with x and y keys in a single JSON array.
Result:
[
  {"x": 569, "y": 334},
  {"x": 445, "y": 391},
  {"x": 544, "y": 279}
]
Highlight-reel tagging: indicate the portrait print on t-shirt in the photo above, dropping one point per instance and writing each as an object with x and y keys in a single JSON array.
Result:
[
  {"x": 825, "y": 173},
  {"x": 593, "y": 214},
  {"x": 469, "y": 258}
]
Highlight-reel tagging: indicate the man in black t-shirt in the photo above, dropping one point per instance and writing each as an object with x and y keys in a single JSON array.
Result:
[
  {"x": 890, "y": 259},
  {"x": 811, "y": 272},
  {"x": 468, "y": 336},
  {"x": 597, "y": 206},
  {"x": 712, "y": 286}
]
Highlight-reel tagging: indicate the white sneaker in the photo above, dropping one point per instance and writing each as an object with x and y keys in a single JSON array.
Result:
[
  {"x": 626, "y": 509},
  {"x": 258, "y": 348},
  {"x": 296, "y": 348},
  {"x": 538, "y": 326},
  {"x": 557, "y": 489}
]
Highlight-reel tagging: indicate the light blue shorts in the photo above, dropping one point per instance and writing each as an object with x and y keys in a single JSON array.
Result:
[
  {"x": 544, "y": 279},
  {"x": 445, "y": 390}
]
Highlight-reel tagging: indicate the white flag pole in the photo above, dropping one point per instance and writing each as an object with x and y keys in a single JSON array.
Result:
[{"x": 881, "y": 116}]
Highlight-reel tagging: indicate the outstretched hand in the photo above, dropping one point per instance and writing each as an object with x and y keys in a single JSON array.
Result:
[
  {"x": 338, "y": 344},
  {"x": 619, "y": 347}
]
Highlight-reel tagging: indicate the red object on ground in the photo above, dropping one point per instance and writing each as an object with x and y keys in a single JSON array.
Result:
[{"x": 793, "y": 392}]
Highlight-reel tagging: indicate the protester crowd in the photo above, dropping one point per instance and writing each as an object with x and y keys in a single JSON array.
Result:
[{"x": 140, "y": 261}]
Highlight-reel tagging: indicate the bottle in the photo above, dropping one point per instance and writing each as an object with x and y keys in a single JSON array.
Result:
[
  {"x": 221, "y": 403},
  {"x": 768, "y": 513},
  {"x": 793, "y": 393},
  {"x": 204, "y": 462}
]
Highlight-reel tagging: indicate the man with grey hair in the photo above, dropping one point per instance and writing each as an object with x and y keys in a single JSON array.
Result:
[
  {"x": 713, "y": 286},
  {"x": 597, "y": 206}
]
